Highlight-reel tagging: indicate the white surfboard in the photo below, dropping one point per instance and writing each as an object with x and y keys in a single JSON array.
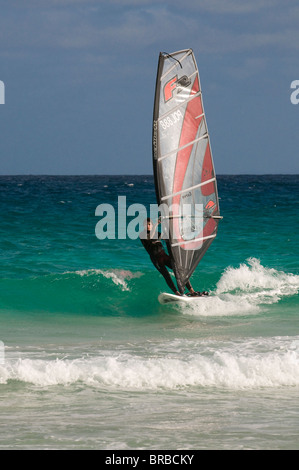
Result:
[{"x": 166, "y": 298}]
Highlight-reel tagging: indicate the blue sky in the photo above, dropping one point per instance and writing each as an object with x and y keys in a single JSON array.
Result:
[{"x": 79, "y": 81}]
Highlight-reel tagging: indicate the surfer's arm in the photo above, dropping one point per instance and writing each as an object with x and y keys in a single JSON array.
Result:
[{"x": 156, "y": 225}]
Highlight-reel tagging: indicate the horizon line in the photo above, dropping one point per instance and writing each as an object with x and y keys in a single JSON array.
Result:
[{"x": 139, "y": 174}]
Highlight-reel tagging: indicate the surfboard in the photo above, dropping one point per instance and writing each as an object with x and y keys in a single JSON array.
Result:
[
  {"x": 166, "y": 298},
  {"x": 184, "y": 173}
]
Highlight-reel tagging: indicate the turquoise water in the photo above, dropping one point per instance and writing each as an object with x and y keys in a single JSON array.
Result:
[{"x": 93, "y": 361}]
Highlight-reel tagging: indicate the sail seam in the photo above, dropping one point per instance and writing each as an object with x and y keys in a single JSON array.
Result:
[
  {"x": 189, "y": 189},
  {"x": 205, "y": 136}
]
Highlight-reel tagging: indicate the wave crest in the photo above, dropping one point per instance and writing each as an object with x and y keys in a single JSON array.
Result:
[
  {"x": 118, "y": 276},
  {"x": 255, "y": 363},
  {"x": 246, "y": 289}
]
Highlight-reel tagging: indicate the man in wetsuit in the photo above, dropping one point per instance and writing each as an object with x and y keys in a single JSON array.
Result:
[{"x": 150, "y": 239}]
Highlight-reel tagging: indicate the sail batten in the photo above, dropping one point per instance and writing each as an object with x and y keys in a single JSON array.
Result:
[
  {"x": 184, "y": 146},
  {"x": 195, "y": 240},
  {"x": 183, "y": 164},
  {"x": 188, "y": 189}
]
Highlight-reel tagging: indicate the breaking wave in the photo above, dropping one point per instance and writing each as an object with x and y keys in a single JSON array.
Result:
[
  {"x": 119, "y": 277},
  {"x": 247, "y": 364},
  {"x": 246, "y": 289}
]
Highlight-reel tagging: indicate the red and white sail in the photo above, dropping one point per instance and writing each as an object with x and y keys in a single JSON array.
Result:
[{"x": 183, "y": 164}]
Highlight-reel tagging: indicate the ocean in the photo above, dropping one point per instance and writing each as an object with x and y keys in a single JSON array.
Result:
[{"x": 90, "y": 360}]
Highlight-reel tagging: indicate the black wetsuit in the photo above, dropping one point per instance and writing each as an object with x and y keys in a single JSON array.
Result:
[{"x": 159, "y": 258}]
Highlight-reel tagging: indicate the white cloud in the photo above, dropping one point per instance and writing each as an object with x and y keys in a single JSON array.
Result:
[
  {"x": 84, "y": 26},
  {"x": 235, "y": 6}
]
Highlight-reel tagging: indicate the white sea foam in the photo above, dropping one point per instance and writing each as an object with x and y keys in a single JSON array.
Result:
[
  {"x": 247, "y": 364},
  {"x": 267, "y": 285},
  {"x": 246, "y": 289},
  {"x": 119, "y": 277}
]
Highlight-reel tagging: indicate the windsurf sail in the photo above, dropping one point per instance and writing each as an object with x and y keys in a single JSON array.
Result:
[{"x": 183, "y": 165}]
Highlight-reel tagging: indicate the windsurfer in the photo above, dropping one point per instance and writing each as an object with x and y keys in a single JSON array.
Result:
[{"x": 151, "y": 240}]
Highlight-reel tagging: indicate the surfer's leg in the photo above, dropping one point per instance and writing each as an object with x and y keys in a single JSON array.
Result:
[
  {"x": 160, "y": 265},
  {"x": 169, "y": 263},
  {"x": 166, "y": 260},
  {"x": 162, "y": 269},
  {"x": 161, "y": 262},
  {"x": 190, "y": 289}
]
